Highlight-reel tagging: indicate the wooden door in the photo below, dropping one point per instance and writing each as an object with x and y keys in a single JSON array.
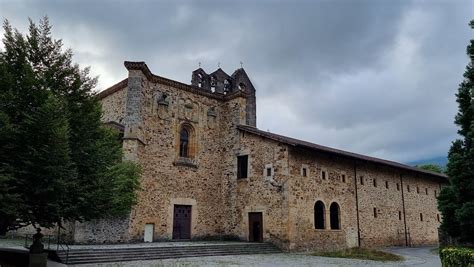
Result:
[
  {"x": 182, "y": 222},
  {"x": 255, "y": 227}
]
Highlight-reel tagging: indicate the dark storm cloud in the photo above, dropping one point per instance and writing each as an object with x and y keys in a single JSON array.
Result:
[{"x": 374, "y": 77}]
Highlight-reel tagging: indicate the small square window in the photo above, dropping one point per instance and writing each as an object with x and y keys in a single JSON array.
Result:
[
  {"x": 269, "y": 172},
  {"x": 304, "y": 172}
]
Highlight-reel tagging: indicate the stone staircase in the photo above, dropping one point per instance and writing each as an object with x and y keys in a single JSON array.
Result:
[{"x": 82, "y": 256}]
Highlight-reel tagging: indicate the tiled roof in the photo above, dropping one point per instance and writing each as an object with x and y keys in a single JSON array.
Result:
[{"x": 315, "y": 147}]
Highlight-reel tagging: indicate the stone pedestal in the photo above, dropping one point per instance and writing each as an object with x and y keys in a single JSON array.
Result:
[{"x": 38, "y": 259}]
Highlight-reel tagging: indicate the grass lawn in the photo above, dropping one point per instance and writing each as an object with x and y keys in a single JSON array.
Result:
[
  {"x": 8, "y": 241},
  {"x": 362, "y": 254}
]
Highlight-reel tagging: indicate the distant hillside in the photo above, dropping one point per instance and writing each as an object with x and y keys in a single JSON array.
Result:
[{"x": 442, "y": 161}]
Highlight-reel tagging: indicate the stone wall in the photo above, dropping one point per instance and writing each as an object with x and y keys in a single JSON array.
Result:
[
  {"x": 259, "y": 192},
  {"x": 169, "y": 180},
  {"x": 114, "y": 106},
  {"x": 305, "y": 191},
  {"x": 421, "y": 201},
  {"x": 380, "y": 206},
  {"x": 102, "y": 231}
]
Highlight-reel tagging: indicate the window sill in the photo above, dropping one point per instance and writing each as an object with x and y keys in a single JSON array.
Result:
[{"x": 187, "y": 162}]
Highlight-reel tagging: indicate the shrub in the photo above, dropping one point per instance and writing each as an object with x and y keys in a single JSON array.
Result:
[{"x": 452, "y": 256}]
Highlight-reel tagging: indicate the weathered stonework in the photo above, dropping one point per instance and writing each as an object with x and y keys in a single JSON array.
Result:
[
  {"x": 102, "y": 231},
  {"x": 153, "y": 110}
]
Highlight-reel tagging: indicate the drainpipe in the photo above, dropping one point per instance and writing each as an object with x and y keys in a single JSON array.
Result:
[
  {"x": 357, "y": 205},
  {"x": 404, "y": 213}
]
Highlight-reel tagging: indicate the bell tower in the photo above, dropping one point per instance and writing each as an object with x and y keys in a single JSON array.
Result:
[{"x": 219, "y": 82}]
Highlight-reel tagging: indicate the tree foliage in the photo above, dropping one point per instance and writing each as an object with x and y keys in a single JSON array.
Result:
[
  {"x": 57, "y": 161},
  {"x": 456, "y": 201},
  {"x": 431, "y": 167}
]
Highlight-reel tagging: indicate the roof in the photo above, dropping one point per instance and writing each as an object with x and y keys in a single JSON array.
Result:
[
  {"x": 114, "y": 88},
  {"x": 130, "y": 65},
  {"x": 315, "y": 147}
]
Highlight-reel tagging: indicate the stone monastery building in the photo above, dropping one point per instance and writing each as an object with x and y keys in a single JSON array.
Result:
[{"x": 209, "y": 173}]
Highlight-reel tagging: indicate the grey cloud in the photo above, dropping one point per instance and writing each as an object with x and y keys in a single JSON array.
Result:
[{"x": 374, "y": 77}]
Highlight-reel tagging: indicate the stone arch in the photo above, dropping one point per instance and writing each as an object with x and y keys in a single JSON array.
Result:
[
  {"x": 335, "y": 216},
  {"x": 319, "y": 215}
]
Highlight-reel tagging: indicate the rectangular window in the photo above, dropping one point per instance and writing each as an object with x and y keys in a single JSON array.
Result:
[
  {"x": 343, "y": 178},
  {"x": 408, "y": 188},
  {"x": 417, "y": 190},
  {"x": 304, "y": 172},
  {"x": 269, "y": 172},
  {"x": 375, "y": 212},
  {"x": 426, "y": 191},
  {"x": 362, "y": 180},
  {"x": 436, "y": 193},
  {"x": 437, "y": 217},
  {"x": 421, "y": 217},
  {"x": 398, "y": 187},
  {"x": 386, "y": 184},
  {"x": 242, "y": 166},
  {"x": 375, "y": 182},
  {"x": 399, "y": 215},
  {"x": 323, "y": 175}
]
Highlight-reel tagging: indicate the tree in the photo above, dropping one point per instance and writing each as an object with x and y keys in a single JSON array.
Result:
[
  {"x": 57, "y": 160},
  {"x": 431, "y": 167},
  {"x": 456, "y": 200}
]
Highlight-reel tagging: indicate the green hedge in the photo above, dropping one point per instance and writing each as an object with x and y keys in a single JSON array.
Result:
[{"x": 457, "y": 257}]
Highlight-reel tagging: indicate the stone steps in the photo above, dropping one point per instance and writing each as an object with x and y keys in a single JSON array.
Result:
[{"x": 82, "y": 256}]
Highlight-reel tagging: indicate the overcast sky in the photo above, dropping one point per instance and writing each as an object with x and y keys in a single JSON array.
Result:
[{"x": 372, "y": 77}]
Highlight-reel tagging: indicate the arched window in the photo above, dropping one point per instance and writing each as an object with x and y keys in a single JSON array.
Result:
[
  {"x": 226, "y": 86},
  {"x": 334, "y": 216},
  {"x": 184, "y": 143},
  {"x": 213, "y": 84},
  {"x": 241, "y": 87},
  {"x": 319, "y": 214}
]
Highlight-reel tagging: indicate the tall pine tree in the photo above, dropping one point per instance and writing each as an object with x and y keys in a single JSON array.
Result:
[
  {"x": 456, "y": 201},
  {"x": 57, "y": 161}
]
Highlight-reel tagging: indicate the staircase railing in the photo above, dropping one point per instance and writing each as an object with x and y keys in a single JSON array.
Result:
[{"x": 49, "y": 241}]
